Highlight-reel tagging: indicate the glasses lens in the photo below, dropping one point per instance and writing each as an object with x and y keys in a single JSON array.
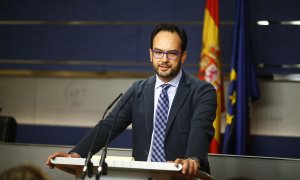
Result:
[
  {"x": 172, "y": 54},
  {"x": 158, "y": 54}
]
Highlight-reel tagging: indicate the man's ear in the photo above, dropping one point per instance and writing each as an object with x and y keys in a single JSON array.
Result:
[
  {"x": 183, "y": 57},
  {"x": 150, "y": 53}
]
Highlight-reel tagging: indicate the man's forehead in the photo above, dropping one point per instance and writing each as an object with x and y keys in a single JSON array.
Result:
[{"x": 167, "y": 39}]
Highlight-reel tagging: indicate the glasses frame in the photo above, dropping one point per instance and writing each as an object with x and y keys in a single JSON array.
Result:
[{"x": 166, "y": 53}]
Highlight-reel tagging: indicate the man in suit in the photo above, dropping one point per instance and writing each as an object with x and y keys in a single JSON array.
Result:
[{"x": 189, "y": 107}]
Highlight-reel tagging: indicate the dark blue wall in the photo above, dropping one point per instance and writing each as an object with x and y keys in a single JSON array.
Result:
[{"x": 114, "y": 35}]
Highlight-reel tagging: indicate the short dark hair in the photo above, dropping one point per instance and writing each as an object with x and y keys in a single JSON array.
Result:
[
  {"x": 24, "y": 172},
  {"x": 170, "y": 28}
]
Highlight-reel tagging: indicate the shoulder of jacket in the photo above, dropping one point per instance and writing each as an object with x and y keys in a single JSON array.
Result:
[{"x": 144, "y": 82}]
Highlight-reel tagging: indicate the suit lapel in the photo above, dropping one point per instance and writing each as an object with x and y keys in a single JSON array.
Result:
[
  {"x": 182, "y": 91},
  {"x": 149, "y": 105}
]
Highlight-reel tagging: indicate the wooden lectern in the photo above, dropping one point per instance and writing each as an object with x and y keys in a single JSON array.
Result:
[{"x": 126, "y": 168}]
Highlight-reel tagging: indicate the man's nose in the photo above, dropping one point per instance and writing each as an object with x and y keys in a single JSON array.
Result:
[{"x": 165, "y": 57}]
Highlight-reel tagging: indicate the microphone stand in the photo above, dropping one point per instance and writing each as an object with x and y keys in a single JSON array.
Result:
[
  {"x": 102, "y": 168},
  {"x": 88, "y": 166}
]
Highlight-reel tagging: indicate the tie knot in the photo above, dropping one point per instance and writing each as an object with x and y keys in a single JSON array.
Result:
[{"x": 165, "y": 87}]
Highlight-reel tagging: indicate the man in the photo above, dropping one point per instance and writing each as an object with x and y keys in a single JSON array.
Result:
[{"x": 171, "y": 112}]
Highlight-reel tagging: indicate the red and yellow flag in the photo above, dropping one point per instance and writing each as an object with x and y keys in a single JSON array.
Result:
[{"x": 210, "y": 64}]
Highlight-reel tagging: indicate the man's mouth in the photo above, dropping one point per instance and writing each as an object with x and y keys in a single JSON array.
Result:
[{"x": 163, "y": 67}]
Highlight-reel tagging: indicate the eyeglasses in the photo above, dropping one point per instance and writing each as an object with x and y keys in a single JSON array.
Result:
[{"x": 171, "y": 55}]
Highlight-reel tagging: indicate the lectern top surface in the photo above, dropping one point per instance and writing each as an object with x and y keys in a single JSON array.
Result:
[{"x": 122, "y": 163}]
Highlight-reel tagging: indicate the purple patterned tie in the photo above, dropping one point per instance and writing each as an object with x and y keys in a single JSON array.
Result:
[{"x": 158, "y": 153}]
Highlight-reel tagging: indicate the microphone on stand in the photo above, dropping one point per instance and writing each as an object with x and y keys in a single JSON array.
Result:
[
  {"x": 102, "y": 168},
  {"x": 88, "y": 167}
]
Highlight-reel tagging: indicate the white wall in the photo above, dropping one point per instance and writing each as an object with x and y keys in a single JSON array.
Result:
[
  {"x": 277, "y": 112},
  {"x": 59, "y": 101},
  {"x": 82, "y": 101}
]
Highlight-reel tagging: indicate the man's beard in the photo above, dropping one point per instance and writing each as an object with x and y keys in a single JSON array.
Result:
[{"x": 168, "y": 74}]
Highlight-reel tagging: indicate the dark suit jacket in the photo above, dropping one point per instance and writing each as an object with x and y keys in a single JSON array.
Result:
[{"x": 189, "y": 128}]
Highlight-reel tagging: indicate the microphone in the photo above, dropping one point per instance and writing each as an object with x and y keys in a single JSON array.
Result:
[
  {"x": 88, "y": 167},
  {"x": 102, "y": 168}
]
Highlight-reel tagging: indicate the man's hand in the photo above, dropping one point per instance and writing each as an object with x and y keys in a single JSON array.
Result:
[
  {"x": 190, "y": 167},
  {"x": 60, "y": 154}
]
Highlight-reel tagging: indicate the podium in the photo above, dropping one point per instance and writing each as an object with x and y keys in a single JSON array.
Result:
[{"x": 125, "y": 168}]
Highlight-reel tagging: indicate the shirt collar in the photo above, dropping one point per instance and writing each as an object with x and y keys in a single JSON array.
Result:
[{"x": 174, "y": 82}]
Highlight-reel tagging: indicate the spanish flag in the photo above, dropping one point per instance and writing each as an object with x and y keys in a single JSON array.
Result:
[{"x": 210, "y": 64}]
